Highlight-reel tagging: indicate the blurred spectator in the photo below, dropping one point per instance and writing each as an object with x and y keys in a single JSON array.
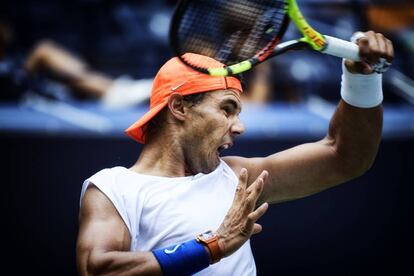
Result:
[
  {"x": 53, "y": 61},
  {"x": 50, "y": 61},
  {"x": 132, "y": 37}
]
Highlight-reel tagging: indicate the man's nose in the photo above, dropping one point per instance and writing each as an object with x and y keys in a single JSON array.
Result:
[{"x": 237, "y": 128}]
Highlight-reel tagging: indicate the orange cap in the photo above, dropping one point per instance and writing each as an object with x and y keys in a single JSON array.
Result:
[{"x": 176, "y": 77}]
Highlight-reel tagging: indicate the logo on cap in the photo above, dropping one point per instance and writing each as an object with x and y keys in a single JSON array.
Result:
[{"x": 178, "y": 86}]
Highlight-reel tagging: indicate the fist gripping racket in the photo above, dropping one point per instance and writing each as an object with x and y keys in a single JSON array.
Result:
[{"x": 244, "y": 33}]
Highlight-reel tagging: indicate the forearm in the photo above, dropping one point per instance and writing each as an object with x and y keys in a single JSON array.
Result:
[
  {"x": 184, "y": 258},
  {"x": 117, "y": 262},
  {"x": 355, "y": 135},
  {"x": 355, "y": 129}
]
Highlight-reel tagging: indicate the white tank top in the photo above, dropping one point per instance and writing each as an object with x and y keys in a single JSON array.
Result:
[{"x": 163, "y": 211}]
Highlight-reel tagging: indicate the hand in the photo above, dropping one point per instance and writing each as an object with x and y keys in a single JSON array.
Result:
[
  {"x": 372, "y": 47},
  {"x": 240, "y": 222}
]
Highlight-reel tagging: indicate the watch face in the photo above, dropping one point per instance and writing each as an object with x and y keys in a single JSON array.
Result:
[{"x": 206, "y": 235}]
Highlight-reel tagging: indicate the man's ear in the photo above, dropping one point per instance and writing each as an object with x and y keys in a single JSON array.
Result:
[{"x": 176, "y": 106}]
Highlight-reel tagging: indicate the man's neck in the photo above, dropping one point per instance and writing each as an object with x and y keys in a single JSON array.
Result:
[{"x": 161, "y": 158}]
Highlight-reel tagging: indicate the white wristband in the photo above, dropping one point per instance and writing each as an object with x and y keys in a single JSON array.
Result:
[{"x": 363, "y": 91}]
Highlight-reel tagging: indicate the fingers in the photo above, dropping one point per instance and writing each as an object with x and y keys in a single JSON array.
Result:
[
  {"x": 254, "y": 187},
  {"x": 252, "y": 193},
  {"x": 241, "y": 188},
  {"x": 251, "y": 225},
  {"x": 382, "y": 46},
  {"x": 245, "y": 199},
  {"x": 240, "y": 221},
  {"x": 255, "y": 190},
  {"x": 259, "y": 212},
  {"x": 243, "y": 176},
  {"x": 376, "y": 52},
  {"x": 385, "y": 48},
  {"x": 378, "y": 47},
  {"x": 381, "y": 52},
  {"x": 373, "y": 53}
]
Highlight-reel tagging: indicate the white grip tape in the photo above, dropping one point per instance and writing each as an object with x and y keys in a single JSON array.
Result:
[
  {"x": 357, "y": 36},
  {"x": 341, "y": 48},
  {"x": 363, "y": 91}
]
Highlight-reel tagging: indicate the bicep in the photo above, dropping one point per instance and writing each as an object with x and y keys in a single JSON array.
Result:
[
  {"x": 101, "y": 229},
  {"x": 294, "y": 173}
]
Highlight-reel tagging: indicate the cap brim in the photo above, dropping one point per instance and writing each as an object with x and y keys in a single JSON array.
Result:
[{"x": 136, "y": 130}]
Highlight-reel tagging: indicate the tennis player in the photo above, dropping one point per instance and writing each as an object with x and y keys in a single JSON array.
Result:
[{"x": 181, "y": 209}]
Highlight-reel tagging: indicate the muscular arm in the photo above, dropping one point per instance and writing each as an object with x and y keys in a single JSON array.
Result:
[
  {"x": 347, "y": 151},
  {"x": 104, "y": 241}
]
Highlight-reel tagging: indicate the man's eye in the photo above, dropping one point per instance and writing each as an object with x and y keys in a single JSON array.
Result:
[{"x": 227, "y": 110}]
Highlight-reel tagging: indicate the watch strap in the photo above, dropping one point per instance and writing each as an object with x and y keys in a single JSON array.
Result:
[
  {"x": 215, "y": 250},
  {"x": 213, "y": 247}
]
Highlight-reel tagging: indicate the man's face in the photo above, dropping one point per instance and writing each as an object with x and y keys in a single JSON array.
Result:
[{"x": 211, "y": 128}]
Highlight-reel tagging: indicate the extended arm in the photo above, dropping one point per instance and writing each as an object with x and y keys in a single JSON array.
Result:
[{"x": 347, "y": 151}]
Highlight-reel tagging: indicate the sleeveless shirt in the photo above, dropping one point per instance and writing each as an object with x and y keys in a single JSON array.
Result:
[{"x": 163, "y": 211}]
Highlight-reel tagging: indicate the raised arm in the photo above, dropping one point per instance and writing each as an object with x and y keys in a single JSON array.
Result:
[{"x": 350, "y": 146}]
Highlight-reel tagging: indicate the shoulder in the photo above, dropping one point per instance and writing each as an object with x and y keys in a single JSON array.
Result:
[
  {"x": 107, "y": 177},
  {"x": 105, "y": 180},
  {"x": 108, "y": 172},
  {"x": 96, "y": 202},
  {"x": 107, "y": 191}
]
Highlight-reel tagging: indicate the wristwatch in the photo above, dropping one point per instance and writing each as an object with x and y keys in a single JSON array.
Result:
[{"x": 210, "y": 240}]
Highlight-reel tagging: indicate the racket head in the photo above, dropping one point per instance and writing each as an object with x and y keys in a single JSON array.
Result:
[{"x": 237, "y": 33}]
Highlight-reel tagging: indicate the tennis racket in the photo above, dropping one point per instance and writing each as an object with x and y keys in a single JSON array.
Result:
[{"x": 244, "y": 33}]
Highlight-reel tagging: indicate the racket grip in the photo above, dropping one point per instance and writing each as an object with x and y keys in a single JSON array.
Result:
[{"x": 341, "y": 48}]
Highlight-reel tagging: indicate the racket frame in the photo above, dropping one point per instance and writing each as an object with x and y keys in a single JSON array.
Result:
[
  {"x": 234, "y": 69},
  {"x": 311, "y": 40}
]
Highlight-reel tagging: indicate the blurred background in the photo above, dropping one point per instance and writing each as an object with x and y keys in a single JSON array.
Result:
[{"x": 74, "y": 74}]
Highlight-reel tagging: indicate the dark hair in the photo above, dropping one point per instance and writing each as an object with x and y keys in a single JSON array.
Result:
[
  {"x": 194, "y": 99},
  {"x": 153, "y": 127}
]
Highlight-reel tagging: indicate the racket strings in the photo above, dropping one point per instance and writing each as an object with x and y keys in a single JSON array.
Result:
[
  {"x": 264, "y": 25},
  {"x": 230, "y": 31}
]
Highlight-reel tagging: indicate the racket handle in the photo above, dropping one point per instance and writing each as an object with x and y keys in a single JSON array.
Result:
[{"x": 341, "y": 48}]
